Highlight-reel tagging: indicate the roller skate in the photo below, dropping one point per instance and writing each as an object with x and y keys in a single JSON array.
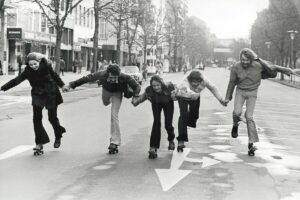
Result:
[
  {"x": 234, "y": 131},
  {"x": 38, "y": 150},
  {"x": 252, "y": 149},
  {"x": 113, "y": 148},
  {"x": 57, "y": 142},
  {"x": 171, "y": 145},
  {"x": 180, "y": 146},
  {"x": 152, "y": 153}
]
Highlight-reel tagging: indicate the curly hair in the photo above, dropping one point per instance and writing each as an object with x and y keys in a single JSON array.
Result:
[
  {"x": 114, "y": 69},
  {"x": 159, "y": 80},
  {"x": 195, "y": 76},
  {"x": 248, "y": 53}
]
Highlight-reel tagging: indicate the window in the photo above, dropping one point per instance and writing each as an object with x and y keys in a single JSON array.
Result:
[
  {"x": 92, "y": 18},
  {"x": 76, "y": 19},
  {"x": 84, "y": 18},
  {"x": 80, "y": 17},
  {"x": 102, "y": 29},
  {"x": 62, "y": 5},
  {"x": 88, "y": 18},
  {"x": 44, "y": 23}
]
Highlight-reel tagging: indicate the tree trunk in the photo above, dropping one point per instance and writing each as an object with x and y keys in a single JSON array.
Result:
[
  {"x": 96, "y": 35},
  {"x": 119, "y": 41},
  {"x": 59, "y": 31},
  {"x": 145, "y": 49}
]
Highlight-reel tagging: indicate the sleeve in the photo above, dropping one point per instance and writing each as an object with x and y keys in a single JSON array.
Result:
[
  {"x": 14, "y": 82},
  {"x": 86, "y": 79},
  {"x": 55, "y": 76},
  {"x": 283, "y": 70},
  {"x": 141, "y": 98},
  {"x": 133, "y": 84},
  {"x": 213, "y": 89},
  {"x": 231, "y": 84}
]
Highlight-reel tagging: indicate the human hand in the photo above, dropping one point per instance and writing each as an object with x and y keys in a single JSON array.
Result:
[
  {"x": 66, "y": 88},
  {"x": 295, "y": 72},
  {"x": 134, "y": 101}
]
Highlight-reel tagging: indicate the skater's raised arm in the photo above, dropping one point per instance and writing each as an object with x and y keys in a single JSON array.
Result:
[
  {"x": 14, "y": 82},
  {"x": 89, "y": 78}
]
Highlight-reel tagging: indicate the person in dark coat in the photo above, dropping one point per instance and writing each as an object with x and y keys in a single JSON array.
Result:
[
  {"x": 114, "y": 84},
  {"x": 162, "y": 96},
  {"x": 45, "y": 92}
]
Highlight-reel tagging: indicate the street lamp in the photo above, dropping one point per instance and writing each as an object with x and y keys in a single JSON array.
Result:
[
  {"x": 292, "y": 36},
  {"x": 269, "y": 53}
]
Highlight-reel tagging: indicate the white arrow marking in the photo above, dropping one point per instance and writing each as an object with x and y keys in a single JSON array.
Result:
[
  {"x": 15, "y": 151},
  {"x": 169, "y": 177}
]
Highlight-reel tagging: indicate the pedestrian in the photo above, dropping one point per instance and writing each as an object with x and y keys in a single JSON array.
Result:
[
  {"x": 188, "y": 95},
  {"x": 114, "y": 84},
  {"x": 1, "y": 70},
  {"x": 62, "y": 66},
  {"x": 145, "y": 71},
  {"x": 79, "y": 65},
  {"x": 75, "y": 64},
  {"x": 246, "y": 75},
  {"x": 19, "y": 61},
  {"x": 45, "y": 92},
  {"x": 162, "y": 96}
]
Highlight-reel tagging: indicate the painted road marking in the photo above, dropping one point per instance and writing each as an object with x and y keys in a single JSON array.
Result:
[
  {"x": 170, "y": 177},
  {"x": 15, "y": 151}
]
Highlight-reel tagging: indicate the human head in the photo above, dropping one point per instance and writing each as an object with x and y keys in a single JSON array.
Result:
[
  {"x": 247, "y": 56},
  {"x": 195, "y": 78},
  {"x": 157, "y": 84},
  {"x": 34, "y": 59}
]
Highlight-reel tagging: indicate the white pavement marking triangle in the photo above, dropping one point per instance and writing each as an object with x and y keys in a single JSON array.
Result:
[
  {"x": 209, "y": 162},
  {"x": 178, "y": 158},
  {"x": 15, "y": 151},
  {"x": 169, "y": 177}
]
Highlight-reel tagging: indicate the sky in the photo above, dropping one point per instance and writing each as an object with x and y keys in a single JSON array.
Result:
[{"x": 227, "y": 18}]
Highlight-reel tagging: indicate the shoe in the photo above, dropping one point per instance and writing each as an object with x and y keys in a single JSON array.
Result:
[
  {"x": 171, "y": 145},
  {"x": 180, "y": 146},
  {"x": 152, "y": 153},
  {"x": 234, "y": 132},
  {"x": 252, "y": 149},
  {"x": 113, "y": 148},
  {"x": 57, "y": 142}
]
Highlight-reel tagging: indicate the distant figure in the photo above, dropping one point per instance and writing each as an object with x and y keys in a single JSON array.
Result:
[
  {"x": 79, "y": 65},
  {"x": 62, "y": 66},
  {"x": 75, "y": 64},
  {"x": 1, "y": 71},
  {"x": 19, "y": 61}
]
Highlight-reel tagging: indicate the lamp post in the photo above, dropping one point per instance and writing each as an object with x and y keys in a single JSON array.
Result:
[
  {"x": 269, "y": 52},
  {"x": 292, "y": 36}
]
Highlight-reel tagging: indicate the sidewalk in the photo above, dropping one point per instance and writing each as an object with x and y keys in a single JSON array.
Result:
[
  {"x": 68, "y": 77},
  {"x": 287, "y": 81}
]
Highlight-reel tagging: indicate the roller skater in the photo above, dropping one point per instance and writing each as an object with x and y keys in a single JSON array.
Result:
[
  {"x": 180, "y": 146},
  {"x": 38, "y": 150},
  {"x": 152, "y": 153},
  {"x": 113, "y": 148},
  {"x": 246, "y": 77},
  {"x": 171, "y": 145},
  {"x": 252, "y": 149},
  {"x": 162, "y": 96}
]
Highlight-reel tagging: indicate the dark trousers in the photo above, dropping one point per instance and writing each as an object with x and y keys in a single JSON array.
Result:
[
  {"x": 168, "y": 109},
  {"x": 189, "y": 114},
  {"x": 41, "y": 136}
]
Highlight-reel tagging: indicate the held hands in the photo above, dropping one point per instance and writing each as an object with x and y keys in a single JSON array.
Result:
[
  {"x": 66, "y": 88},
  {"x": 224, "y": 102},
  {"x": 134, "y": 101}
]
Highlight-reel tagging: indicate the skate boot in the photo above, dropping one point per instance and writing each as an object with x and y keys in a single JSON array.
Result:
[
  {"x": 152, "y": 153},
  {"x": 113, "y": 148},
  {"x": 252, "y": 149},
  {"x": 57, "y": 142},
  {"x": 234, "y": 131},
  {"x": 38, "y": 150},
  {"x": 180, "y": 146},
  {"x": 171, "y": 145}
]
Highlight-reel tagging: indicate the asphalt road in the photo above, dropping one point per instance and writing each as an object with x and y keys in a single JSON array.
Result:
[{"x": 213, "y": 167}]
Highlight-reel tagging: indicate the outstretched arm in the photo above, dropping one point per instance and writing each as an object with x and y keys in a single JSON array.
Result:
[
  {"x": 14, "y": 82},
  {"x": 86, "y": 79},
  {"x": 139, "y": 99},
  {"x": 213, "y": 89}
]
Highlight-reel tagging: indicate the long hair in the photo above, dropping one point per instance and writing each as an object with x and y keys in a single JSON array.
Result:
[
  {"x": 195, "y": 76},
  {"x": 248, "y": 53},
  {"x": 157, "y": 78}
]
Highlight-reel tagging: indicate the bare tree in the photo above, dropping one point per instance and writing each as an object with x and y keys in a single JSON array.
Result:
[
  {"x": 1, "y": 4},
  {"x": 99, "y": 6},
  {"x": 56, "y": 12}
]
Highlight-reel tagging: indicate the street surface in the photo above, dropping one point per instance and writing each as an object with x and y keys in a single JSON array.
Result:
[{"x": 213, "y": 166}]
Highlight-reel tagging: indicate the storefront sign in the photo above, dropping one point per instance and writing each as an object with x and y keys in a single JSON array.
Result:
[{"x": 14, "y": 33}]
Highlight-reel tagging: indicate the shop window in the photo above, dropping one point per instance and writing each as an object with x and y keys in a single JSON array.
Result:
[{"x": 84, "y": 18}]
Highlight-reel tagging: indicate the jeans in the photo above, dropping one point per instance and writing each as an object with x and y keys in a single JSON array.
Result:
[
  {"x": 168, "y": 109},
  {"x": 250, "y": 97},
  {"x": 115, "y": 98},
  {"x": 189, "y": 114},
  {"x": 41, "y": 136}
]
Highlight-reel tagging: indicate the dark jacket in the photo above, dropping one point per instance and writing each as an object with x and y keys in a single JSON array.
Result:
[
  {"x": 101, "y": 76},
  {"x": 154, "y": 97},
  {"x": 44, "y": 83}
]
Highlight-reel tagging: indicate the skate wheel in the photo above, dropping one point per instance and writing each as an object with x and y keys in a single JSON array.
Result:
[{"x": 251, "y": 153}]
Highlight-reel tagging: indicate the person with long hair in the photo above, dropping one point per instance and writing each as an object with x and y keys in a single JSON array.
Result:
[
  {"x": 45, "y": 92},
  {"x": 162, "y": 96}
]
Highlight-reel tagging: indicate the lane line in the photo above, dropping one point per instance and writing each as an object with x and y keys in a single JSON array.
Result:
[{"x": 15, "y": 151}]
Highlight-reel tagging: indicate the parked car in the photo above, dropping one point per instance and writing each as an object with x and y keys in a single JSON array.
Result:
[{"x": 134, "y": 72}]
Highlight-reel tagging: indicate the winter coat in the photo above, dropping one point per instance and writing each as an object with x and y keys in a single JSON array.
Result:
[{"x": 44, "y": 83}]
